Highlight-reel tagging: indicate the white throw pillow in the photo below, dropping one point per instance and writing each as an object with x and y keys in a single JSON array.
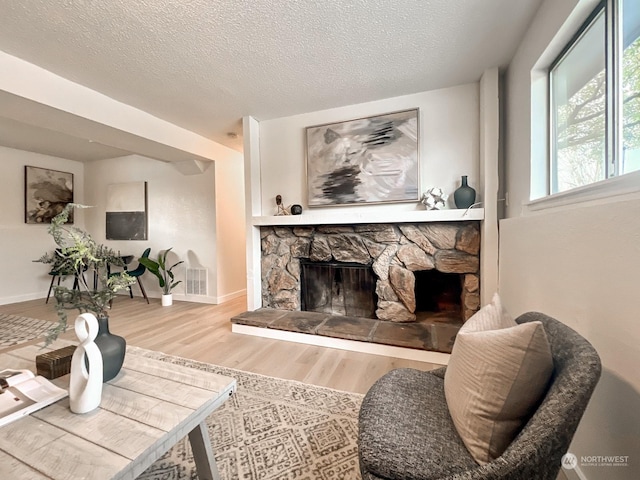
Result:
[{"x": 497, "y": 374}]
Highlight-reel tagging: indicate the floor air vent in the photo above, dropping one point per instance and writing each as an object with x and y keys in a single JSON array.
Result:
[{"x": 196, "y": 281}]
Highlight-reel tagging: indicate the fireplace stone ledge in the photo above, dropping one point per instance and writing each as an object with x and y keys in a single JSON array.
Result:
[{"x": 430, "y": 335}]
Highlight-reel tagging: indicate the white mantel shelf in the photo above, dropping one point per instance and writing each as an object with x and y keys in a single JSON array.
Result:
[{"x": 416, "y": 216}]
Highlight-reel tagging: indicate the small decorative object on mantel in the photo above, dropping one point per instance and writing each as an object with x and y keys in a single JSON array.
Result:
[
  {"x": 434, "y": 199},
  {"x": 296, "y": 209},
  {"x": 85, "y": 385},
  {"x": 282, "y": 210},
  {"x": 464, "y": 196}
]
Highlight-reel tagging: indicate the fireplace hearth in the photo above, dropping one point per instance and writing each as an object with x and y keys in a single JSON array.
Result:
[{"x": 420, "y": 335}]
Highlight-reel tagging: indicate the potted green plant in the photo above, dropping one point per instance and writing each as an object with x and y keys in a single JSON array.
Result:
[
  {"x": 165, "y": 275},
  {"x": 76, "y": 254}
]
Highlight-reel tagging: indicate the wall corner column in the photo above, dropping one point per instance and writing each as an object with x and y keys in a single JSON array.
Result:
[
  {"x": 489, "y": 179},
  {"x": 253, "y": 196}
]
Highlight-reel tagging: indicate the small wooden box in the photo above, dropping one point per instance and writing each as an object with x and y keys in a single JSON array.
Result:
[{"x": 56, "y": 363}]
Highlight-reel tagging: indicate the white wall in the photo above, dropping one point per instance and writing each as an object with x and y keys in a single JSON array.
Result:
[
  {"x": 201, "y": 216},
  {"x": 181, "y": 214},
  {"x": 275, "y": 162},
  {"x": 22, "y": 243},
  {"x": 231, "y": 230},
  {"x": 449, "y": 146},
  {"x": 576, "y": 263},
  {"x": 580, "y": 266}
]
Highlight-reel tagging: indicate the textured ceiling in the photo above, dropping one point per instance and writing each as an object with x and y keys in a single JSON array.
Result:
[{"x": 204, "y": 64}]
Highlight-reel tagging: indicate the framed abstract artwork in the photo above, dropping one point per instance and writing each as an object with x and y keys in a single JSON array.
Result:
[
  {"x": 46, "y": 193},
  {"x": 363, "y": 161},
  {"x": 127, "y": 211}
]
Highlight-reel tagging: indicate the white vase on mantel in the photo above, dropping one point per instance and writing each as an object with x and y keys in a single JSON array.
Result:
[
  {"x": 85, "y": 386},
  {"x": 167, "y": 300}
]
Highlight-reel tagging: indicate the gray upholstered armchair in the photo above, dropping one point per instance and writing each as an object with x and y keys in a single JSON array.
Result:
[{"x": 406, "y": 431}]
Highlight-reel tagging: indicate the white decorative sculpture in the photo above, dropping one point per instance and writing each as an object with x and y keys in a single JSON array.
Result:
[
  {"x": 434, "y": 199},
  {"x": 85, "y": 387}
]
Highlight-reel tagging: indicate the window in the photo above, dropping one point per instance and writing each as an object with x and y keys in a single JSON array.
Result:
[
  {"x": 631, "y": 87},
  {"x": 595, "y": 99}
]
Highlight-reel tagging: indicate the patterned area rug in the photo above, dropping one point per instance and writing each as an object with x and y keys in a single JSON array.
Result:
[
  {"x": 15, "y": 329},
  {"x": 271, "y": 429}
]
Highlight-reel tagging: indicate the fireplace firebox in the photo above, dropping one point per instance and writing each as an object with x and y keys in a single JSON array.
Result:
[
  {"x": 338, "y": 288},
  {"x": 438, "y": 292}
]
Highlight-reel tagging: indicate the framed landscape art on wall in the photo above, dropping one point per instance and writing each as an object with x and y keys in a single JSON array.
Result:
[
  {"x": 362, "y": 161},
  {"x": 46, "y": 193}
]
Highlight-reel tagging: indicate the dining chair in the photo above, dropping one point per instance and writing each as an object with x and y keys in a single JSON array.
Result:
[
  {"x": 137, "y": 273},
  {"x": 59, "y": 274}
]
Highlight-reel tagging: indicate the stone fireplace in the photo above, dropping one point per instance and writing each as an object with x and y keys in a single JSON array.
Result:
[{"x": 418, "y": 268}]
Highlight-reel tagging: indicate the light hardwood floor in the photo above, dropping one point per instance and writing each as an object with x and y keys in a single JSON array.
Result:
[{"x": 203, "y": 332}]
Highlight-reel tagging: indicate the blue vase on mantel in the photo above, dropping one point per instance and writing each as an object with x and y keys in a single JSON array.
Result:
[{"x": 464, "y": 196}]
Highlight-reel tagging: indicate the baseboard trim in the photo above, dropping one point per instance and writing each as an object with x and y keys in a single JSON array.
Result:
[
  {"x": 178, "y": 297},
  {"x": 24, "y": 298},
  {"x": 232, "y": 296},
  {"x": 342, "y": 344},
  {"x": 181, "y": 297},
  {"x": 208, "y": 299}
]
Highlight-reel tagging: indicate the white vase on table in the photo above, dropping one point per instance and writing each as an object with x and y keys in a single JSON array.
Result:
[{"x": 85, "y": 386}]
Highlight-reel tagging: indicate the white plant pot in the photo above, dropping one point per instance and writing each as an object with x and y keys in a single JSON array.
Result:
[{"x": 167, "y": 300}]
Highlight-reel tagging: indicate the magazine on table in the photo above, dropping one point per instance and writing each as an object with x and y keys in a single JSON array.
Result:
[{"x": 22, "y": 392}]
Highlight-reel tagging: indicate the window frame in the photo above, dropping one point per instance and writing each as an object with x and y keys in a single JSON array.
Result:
[{"x": 613, "y": 101}]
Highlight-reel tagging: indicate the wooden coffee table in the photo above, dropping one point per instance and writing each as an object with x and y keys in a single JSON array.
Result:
[{"x": 144, "y": 411}]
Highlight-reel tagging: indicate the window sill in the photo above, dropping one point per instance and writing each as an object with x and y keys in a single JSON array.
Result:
[{"x": 605, "y": 189}]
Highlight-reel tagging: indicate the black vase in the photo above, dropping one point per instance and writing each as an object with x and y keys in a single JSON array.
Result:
[
  {"x": 112, "y": 347},
  {"x": 464, "y": 196},
  {"x": 296, "y": 209}
]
